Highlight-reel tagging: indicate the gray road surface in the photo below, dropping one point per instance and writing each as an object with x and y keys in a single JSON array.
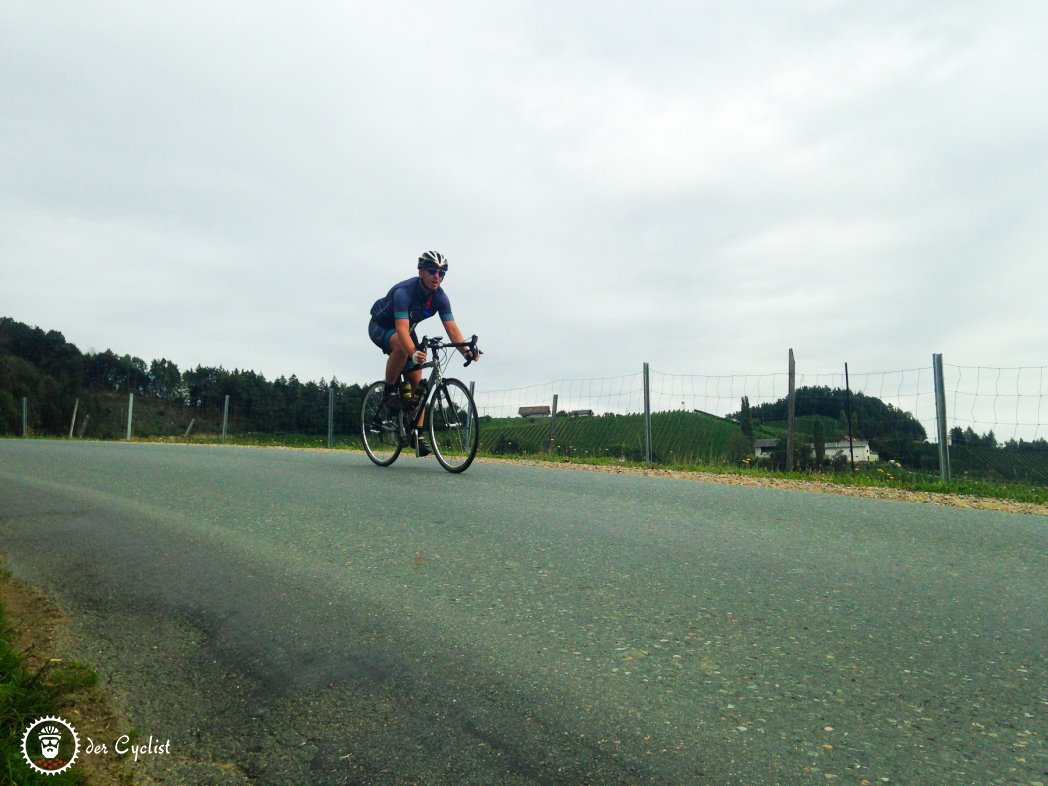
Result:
[{"x": 305, "y": 617}]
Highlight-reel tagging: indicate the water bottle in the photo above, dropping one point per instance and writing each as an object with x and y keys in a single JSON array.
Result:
[{"x": 407, "y": 395}]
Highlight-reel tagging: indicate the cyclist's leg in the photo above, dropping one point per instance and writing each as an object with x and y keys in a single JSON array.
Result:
[
  {"x": 382, "y": 337},
  {"x": 400, "y": 362},
  {"x": 398, "y": 357},
  {"x": 379, "y": 335}
]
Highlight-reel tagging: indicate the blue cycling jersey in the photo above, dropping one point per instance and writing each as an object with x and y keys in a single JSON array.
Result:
[{"x": 409, "y": 300}]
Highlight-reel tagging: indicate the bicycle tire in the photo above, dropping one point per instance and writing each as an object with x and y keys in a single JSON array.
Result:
[
  {"x": 454, "y": 428},
  {"x": 379, "y": 427}
]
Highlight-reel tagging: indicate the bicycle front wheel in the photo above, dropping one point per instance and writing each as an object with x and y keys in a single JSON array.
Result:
[
  {"x": 379, "y": 427},
  {"x": 453, "y": 425}
]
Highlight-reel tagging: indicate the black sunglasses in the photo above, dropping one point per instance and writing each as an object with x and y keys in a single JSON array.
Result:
[{"x": 433, "y": 271}]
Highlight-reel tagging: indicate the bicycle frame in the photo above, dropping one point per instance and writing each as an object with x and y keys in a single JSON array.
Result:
[{"x": 437, "y": 363}]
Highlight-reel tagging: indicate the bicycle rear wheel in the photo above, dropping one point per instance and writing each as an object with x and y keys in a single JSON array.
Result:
[
  {"x": 453, "y": 425},
  {"x": 379, "y": 427}
]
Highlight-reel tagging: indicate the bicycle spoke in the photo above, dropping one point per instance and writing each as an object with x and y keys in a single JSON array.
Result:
[
  {"x": 453, "y": 426},
  {"x": 380, "y": 427}
]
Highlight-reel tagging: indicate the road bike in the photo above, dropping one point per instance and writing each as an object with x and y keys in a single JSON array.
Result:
[{"x": 450, "y": 413}]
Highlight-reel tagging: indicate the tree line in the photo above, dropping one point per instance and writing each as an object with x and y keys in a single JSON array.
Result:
[{"x": 53, "y": 373}]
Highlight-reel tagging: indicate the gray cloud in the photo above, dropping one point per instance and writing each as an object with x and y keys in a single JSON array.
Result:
[{"x": 696, "y": 186}]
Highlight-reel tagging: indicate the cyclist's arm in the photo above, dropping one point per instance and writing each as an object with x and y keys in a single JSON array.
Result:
[
  {"x": 403, "y": 328},
  {"x": 457, "y": 338}
]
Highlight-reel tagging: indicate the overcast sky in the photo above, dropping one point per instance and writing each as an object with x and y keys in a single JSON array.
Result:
[{"x": 698, "y": 185}]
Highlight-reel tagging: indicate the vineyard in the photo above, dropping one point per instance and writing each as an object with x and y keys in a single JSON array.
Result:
[{"x": 678, "y": 437}]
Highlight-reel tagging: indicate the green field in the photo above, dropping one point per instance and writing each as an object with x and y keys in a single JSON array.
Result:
[
  {"x": 998, "y": 465},
  {"x": 677, "y": 437}
]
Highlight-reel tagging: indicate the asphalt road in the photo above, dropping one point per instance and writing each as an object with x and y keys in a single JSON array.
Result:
[{"x": 305, "y": 617}]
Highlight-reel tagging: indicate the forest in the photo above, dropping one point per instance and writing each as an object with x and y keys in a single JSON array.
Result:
[{"x": 53, "y": 374}]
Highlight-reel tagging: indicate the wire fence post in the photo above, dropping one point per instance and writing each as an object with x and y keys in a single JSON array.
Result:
[
  {"x": 553, "y": 423},
  {"x": 847, "y": 400},
  {"x": 647, "y": 414},
  {"x": 940, "y": 417},
  {"x": 225, "y": 417},
  {"x": 791, "y": 411},
  {"x": 471, "y": 425},
  {"x": 25, "y": 417},
  {"x": 72, "y": 423},
  {"x": 331, "y": 416},
  {"x": 130, "y": 409}
]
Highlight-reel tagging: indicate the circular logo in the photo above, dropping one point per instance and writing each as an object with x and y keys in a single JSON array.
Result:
[{"x": 50, "y": 745}]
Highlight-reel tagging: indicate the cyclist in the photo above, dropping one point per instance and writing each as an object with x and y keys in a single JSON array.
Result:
[{"x": 393, "y": 321}]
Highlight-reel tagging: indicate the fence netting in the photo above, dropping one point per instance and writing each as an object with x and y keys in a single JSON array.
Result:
[{"x": 994, "y": 415}]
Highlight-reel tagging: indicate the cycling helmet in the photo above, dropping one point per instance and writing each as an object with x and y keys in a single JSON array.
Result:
[{"x": 433, "y": 260}]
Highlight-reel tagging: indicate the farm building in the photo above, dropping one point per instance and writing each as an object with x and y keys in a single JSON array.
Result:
[
  {"x": 763, "y": 448},
  {"x": 534, "y": 412}
]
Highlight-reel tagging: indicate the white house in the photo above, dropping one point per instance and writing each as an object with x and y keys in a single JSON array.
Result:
[
  {"x": 841, "y": 448},
  {"x": 762, "y": 448}
]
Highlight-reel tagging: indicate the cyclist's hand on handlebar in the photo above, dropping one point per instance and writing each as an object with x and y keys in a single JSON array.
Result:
[{"x": 419, "y": 357}]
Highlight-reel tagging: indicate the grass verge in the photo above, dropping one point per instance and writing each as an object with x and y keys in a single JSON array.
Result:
[
  {"x": 26, "y": 695},
  {"x": 35, "y": 683}
]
